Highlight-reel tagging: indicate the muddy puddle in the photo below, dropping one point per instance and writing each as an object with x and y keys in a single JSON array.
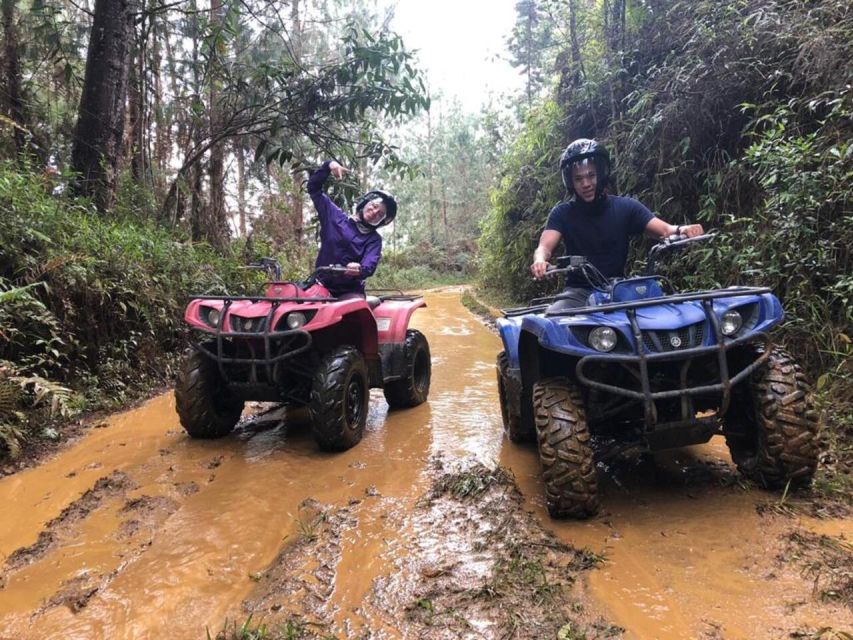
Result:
[{"x": 136, "y": 531}]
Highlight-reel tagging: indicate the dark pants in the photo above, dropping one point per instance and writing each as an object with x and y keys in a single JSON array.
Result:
[{"x": 570, "y": 298}]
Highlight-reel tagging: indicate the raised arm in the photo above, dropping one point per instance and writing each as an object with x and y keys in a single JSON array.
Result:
[{"x": 323, "y": 203}]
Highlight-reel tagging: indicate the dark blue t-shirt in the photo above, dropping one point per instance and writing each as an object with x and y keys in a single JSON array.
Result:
[{"x": 600, "y": 231}]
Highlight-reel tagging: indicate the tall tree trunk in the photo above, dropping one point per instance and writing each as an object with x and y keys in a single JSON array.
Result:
[
  {"x": 240, "y": 154},
  {"x": 197, "y": 227},
  {"x": 100, "y": 121},
  {"x": 14, "y": 104},
  {"x": 134, "y": 144},
  {"x": 163, "y": 139},
  {"x": 217, "y": 229},
  {"x": 430, "y": 213},
  {"x": 573, "y": 34},
  {"x": 298, "y": 200}
]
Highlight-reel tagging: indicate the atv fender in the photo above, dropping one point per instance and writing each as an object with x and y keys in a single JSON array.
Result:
[
  {"x": 392, "y": 319},
  {"x": 509, "y": 329}
]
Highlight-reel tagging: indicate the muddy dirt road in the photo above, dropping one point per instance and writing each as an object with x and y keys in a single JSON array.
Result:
[{"x": 136, "y": 531}]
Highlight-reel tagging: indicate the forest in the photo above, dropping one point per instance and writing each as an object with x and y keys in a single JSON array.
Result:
[{"x": 150, "y": 150}]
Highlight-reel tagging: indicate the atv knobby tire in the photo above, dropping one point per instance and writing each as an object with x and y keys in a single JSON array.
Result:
[
  {"x": 568, "y": 467},
  {"x": 771, "y": 427},
  {"x": 413, "y": 388},
  {"x": 339, "y": 399},
  {"x": 204, "y": 406},
  {"x": 517, "y": 430}
]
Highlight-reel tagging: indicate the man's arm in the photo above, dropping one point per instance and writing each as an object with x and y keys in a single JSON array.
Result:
[
  {"x": 657, "y": 228},
  {"x": 548, "y": 241}
]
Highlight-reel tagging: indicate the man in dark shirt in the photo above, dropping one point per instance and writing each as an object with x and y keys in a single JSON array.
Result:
[
  {"x": 593, "y": 223},
  {"x": 349, "y": 240}
]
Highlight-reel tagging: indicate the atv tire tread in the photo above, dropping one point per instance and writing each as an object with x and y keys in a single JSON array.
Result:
[
  {"x": 783, "y": 444},
  {"x": 412, "y": 389},
  {"x": 204, "y": 410},
  {"x": 333, "y": 429},
  {"x": 565, "y": 451}
]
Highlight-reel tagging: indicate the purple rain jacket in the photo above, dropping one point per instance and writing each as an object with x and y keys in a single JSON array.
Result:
[{"x": 340, "y": 239}]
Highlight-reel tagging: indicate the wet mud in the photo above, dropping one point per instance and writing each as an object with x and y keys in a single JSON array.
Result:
[{"x": 432, "y": 527}]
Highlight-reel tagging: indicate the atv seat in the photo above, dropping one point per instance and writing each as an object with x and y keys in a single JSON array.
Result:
[{"x": 373, "y": 301}]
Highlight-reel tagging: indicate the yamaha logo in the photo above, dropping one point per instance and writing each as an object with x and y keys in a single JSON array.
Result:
[{"x": 675, "y": 341}]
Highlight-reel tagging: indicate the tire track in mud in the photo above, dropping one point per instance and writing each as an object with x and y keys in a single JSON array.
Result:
[
  {"x": 473, "y": 564},
  {"x": 117, "y": 483},
  {"x": 140, "y": 516},
  {"x": 96, "y": 536}
]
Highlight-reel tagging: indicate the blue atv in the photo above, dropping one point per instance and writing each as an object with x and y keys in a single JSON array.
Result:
[{"x": 644, "y": 368}]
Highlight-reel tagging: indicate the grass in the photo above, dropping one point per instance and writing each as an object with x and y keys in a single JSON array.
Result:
[
  {"x": 476, "y": 307},
  {"x": 470, "y": 483},
  {"x": 292, "y": 629}
]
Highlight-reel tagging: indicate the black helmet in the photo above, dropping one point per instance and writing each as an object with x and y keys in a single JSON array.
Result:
[
  {"x": 579, "y": 150},
  {"x": 387, "y": 200}
]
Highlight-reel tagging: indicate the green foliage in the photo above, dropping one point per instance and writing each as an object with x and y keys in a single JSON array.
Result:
[
  {"x": 27, "y": 401},
  {"x": 423, "y": 266},
  {"x": 91, "y": 302},
  {"x": 530, "y": 185},
  {"x": 736, "y": 114}
]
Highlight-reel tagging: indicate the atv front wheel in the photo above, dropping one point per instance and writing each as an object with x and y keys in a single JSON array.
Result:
[
  {"x": 204, "y": 406},
  {"x": 516, "y": 429},
  {"x": 771, "y": 427},
  {"x": 568, "y": 467},
  {"x": 339, "y": 399},
  {"x": 413, "y": 388}
]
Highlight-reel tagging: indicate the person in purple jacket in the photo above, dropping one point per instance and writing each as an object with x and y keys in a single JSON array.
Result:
[{"x": 349, "y": 240}]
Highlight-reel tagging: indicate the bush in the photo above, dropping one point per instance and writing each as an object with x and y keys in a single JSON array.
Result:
[{"x": 100, "y": 300}]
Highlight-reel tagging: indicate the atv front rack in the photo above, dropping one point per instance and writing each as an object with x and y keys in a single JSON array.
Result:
[
  {"x": 540, "y": 305},
  {"x": 275, "y": 346},
  {"x": 642, "y": 359}
]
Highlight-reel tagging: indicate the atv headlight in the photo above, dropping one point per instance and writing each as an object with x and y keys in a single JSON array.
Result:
[
  {"x": 602, "y": 339},
  {"x": 731, "y": 322},
  {"x": 295, "y": 320},
  {"x": 210, "y": 316}
]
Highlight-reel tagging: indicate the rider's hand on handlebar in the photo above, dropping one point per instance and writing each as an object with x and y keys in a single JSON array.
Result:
[
  {"x": 353, "y": 269},
  {"x": 539, "y": 268},
  {"x": 337, "y": 169},
  {"x": 691, "y": 230}
]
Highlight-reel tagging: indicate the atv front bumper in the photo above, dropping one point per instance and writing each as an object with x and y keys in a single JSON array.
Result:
[{"x": 642, "y": 363}]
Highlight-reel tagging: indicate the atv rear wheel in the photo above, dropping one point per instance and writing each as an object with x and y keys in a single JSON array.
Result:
[
  {"x": 517, "y": 430},
  {"x": 205, "y": 407},
  {"x": 339, "y": 399},
  {"x": 413, "y": 388},
  {"x": 568, "y": 467},
  {"x": 771, "y": 428}
]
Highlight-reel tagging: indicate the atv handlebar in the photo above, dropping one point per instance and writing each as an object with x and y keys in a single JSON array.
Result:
[
  {"x": 270, "y": 265},
  {"x": 334, "y": 268},
  {"x": 670, "y": 243},
  {"x": 573, "y": 264}
]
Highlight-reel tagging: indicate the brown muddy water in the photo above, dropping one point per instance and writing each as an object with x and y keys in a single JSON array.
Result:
[{"x": 136, "y": 531}]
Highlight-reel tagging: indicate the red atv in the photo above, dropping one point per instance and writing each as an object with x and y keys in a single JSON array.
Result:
[{"x": 298, "y": 345}]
